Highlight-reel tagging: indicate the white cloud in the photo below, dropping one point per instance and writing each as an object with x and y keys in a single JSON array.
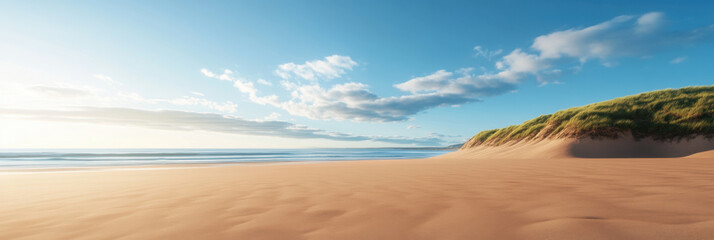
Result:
[
  {"x": 264, "y": 82},
  {"x": 226, "y": 106},
  {"x": 622, "y": 36},
  {"x": 410, "y": 127},
  {"x": 354, "y": 101},
  {"x": 433, "y": 82},
  {"x": 485, "y": 53},
  {"x": 464, "y": 71},
  {"x": 625, "y": 35},
  {"x": 467, "y": 86},
  {"x": 288, "y": 85},
  {"x": 60, "y": 91},
  {"x": 207, "y": 73},
  {"x": 225, "y": 76},
  {"x": 198, "y": 94},
  {"x": 649, "y": 22},
  {"x": 272, "y": 116},
  {"x": 518, "y": 61},
  {"x": 516, "y": 65},
  {"x": 596, "y": 41},
  {"x": 678, "y": 60},
  {"x": 331, "y": 67},
  {"x": 244, "y": 86}
]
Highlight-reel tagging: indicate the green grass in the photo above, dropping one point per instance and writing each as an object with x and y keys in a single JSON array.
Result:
[{"x": 663, "y": 114}]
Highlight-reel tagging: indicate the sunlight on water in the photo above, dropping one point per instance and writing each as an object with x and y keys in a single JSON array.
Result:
[{"x": 59, "y": 158}]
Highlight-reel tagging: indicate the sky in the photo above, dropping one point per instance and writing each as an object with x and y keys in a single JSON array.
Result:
[{"x": 299, "y": 74}]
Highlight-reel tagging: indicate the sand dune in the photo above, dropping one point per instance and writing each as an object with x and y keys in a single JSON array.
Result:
[
  {"x": 705, "y": 154},
  {"x": 622, "y": 147},
  {"x": 446, "y": 197}
]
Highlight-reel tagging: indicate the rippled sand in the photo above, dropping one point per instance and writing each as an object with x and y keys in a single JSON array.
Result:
[{"x": 438, "y": 198}]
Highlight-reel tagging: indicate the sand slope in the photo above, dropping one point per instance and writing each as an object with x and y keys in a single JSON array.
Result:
[
  {"x": 438, "y": 198},
  {"x": 622, "y": 147},
  {"x": 705, "y": 154}
]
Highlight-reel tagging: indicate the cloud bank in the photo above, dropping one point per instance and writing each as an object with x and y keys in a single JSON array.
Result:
[
  {"x": 60, "y": 91},
  {"x": 192, "y": 121}
]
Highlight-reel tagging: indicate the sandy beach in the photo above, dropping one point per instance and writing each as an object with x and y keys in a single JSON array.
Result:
[
  {"x": 356, "y": 120},
  {"x": 437, "y": 198}
]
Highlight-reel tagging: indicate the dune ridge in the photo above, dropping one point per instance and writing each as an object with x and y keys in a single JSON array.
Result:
[
  {"x": 669, "y": 114},
  {"x": 657, "y": 124}
]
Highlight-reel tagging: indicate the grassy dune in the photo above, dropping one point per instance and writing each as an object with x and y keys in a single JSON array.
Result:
[{"x": 662, "y": 114}]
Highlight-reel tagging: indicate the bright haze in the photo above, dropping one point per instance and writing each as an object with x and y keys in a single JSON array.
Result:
[{"x": 293, "y": 74}]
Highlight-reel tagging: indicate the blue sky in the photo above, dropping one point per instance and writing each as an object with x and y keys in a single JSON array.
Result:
[{"x": 327, "y": 73}]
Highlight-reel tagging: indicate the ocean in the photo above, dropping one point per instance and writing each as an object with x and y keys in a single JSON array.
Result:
[{"x": 71, "y": 158}]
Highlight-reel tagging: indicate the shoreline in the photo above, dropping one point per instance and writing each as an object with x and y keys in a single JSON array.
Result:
[
  {"x": 107, "y": 158},
  {"x": 170, "y": 166}
]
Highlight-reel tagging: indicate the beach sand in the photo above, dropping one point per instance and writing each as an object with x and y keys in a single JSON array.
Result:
[{"x": 448, "y": 197}]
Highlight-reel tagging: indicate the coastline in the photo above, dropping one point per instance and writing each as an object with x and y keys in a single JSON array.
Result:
[
  {"x": 81, "y": 158},
  {"x": 433, "y": 198},
  {"x": 170, "y": 166}
]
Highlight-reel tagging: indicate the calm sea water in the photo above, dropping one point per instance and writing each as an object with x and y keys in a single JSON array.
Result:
[{"x": 55, "y": 158}]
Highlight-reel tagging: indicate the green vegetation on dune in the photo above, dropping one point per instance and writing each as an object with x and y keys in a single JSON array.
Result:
[{"x": 663, "y": 114}]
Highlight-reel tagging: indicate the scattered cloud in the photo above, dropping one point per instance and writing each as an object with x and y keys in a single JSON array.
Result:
[
  {"x": 207, "y": 73},
  {"x": 225, "y": 76},
  {"x": 485, "y": 53},
  {"x": 649, "y": 22},
  {"x": 243, "y": 85},
  {"x": 625, "y": 35},
  {"x": 354, "y": 101},
  {"x": 288, "y": 85},
  {"x": 210, "y": 122},
  {"x": 564, "y": 52},
  {"x": 410, "y": 127},
  {"x": 465, "y": 71},
  {"x": 264, "y": 82},
  {"x": 227, "y": 106},
  {"x": 272, "y": 116},
  {"x": 467, "y": 86},
  {"x": 197, "y": 100},
  {"x": 678, "y": 60},
  {"x": 518, "y": 64},
  {"x": 331, "y": 67},
  {"x": 550, "y": 57}
]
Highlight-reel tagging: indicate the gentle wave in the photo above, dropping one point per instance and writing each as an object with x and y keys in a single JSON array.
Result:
[
  {"x": 51, "y": 154},
  {"x": 43, "y": 158}
]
